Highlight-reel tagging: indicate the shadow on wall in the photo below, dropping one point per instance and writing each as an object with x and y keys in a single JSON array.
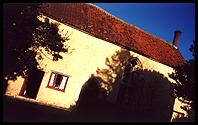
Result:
[
  {"x": 150, "y": 97},
  {"x": 22, "y": 26},
  {"x": 91, "y": 103},
  {"x": 111, "y": 75},
  {"x": 146, "y": 97}
]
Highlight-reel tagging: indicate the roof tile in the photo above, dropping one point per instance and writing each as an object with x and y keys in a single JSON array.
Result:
[{"x": 101, "y": 24}]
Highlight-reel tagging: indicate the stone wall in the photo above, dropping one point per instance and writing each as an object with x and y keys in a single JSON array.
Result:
[{"x": 86, "y": 55}]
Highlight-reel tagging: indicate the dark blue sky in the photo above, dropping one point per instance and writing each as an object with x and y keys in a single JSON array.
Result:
[{"x": 159, "y": 19}]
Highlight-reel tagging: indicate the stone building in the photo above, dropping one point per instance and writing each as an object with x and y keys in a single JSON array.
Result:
[{"x": 95, "y": 35}]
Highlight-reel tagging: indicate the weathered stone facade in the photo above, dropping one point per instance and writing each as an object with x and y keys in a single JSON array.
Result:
[{"x": 88, "y": 53}]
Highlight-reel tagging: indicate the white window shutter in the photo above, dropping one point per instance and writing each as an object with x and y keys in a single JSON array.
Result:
[
  {"x": 52, "y": 79},
  {"x": 63, "y": 82}
]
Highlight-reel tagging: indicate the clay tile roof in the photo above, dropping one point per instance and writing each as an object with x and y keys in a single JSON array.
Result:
[{"x": 96, "y": 22}]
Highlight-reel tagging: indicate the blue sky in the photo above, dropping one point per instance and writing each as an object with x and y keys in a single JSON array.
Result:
[{"x": 159, "y": 19}]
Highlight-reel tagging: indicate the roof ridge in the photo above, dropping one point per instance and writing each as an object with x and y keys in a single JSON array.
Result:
[{"x": 130, "y": 24}]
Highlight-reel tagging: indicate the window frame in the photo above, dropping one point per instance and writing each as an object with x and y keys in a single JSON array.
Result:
[{"x": 54, "y": 81}]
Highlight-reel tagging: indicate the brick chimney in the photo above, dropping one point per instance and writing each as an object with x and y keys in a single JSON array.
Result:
[{"x": 176, "y": 38}]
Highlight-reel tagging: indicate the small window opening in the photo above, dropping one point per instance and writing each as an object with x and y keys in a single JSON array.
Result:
[{"x": 57, "y": 81}]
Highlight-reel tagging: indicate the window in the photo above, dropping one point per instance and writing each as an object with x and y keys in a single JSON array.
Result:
[
  {"x": 57, "y": 81},
  {"x": 133, "y": 67},
  {"x": 136, "y": 64}
]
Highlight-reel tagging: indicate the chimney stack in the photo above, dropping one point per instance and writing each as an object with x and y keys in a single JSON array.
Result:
[{"x": 176, "y": 38}]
